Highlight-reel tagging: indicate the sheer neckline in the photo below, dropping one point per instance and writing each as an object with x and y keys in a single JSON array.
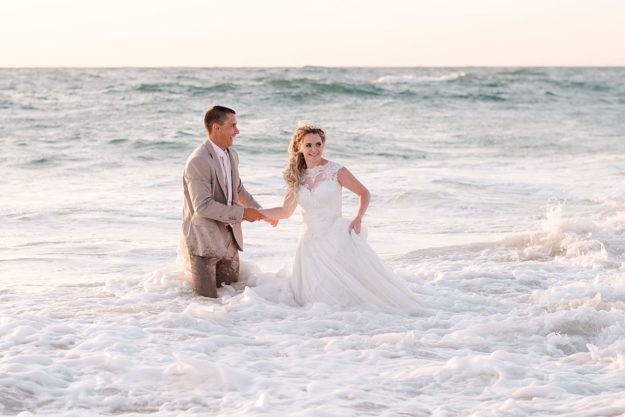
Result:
[
  {"x": 316, "y": 167},
  {"x": 314, "y": 176}
]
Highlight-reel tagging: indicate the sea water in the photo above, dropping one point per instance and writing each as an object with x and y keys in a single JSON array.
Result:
[{"x": 497, "y": 194}]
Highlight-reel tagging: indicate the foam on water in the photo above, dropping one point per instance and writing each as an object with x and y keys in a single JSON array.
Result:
[
  {"x": 522, "y": 325},
  {"x": 411, "y": 78},
  {"x": 505, "y": 218},
  {"x": 149, "y": 346}
]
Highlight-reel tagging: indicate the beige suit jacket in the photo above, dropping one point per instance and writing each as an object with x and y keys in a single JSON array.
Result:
[{"x": 206, "y": 213}]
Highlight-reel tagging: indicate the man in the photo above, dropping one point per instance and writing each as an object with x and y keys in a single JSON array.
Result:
[{"x": 215, "y": 204}]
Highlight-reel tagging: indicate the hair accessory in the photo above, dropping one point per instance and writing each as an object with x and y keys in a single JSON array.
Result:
[{"x": 306, "y": 125}]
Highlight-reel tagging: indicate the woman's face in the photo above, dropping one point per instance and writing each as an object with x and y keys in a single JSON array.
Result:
[{"x": 312, "y": 149}]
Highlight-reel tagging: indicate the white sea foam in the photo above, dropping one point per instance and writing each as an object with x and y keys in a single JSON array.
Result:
[
  {"x": 148, "y": 345},
  {"x": 411, "y": 78},
  {"x": 506, "y": 218}
]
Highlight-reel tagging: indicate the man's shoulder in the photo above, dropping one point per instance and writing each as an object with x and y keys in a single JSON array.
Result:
[
  {"x": 199, "y": 155},
  {"x": 200, "y": 151}
]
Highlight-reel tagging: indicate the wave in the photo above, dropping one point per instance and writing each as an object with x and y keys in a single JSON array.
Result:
[
  {"x": 412, "y": 198},
  {"x": 50, "y": 160},
  {"x": 150, "y": 88},
  {"x": 159, "y": 144},
  {"x": 218, "y": 88},
  {"x": 118, "y": 141},
  {"x": 182, "y": 134},
  {"x": 147, "y": 143},
  {"x": 41, "y": 161},
  {"x": 408, "y": 79},
  {"x": 480, "y": 97},
  {"x": 193, "y": 90},
  {"x": 577, "y": 242},
  {"x": 307, "y": 85},
  {"x": 574, "y": 242},
  {"x": 402, "y": 154},
  {"x": 524, "y": 71}
]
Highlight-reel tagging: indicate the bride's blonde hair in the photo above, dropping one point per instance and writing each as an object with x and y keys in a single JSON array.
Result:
[{"x": 295, "y": 168}]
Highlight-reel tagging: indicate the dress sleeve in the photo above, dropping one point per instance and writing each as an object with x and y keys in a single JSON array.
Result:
[{"x": 333, "y": 170}]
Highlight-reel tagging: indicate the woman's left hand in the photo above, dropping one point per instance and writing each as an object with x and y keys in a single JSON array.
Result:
[{"x": 355, "y": 225}]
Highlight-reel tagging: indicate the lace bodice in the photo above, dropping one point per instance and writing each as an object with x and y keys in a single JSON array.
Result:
[
  {"x": 315, "y": 176},
  {"x": 319, "y": 195},
  {"x": 333, "y": 265}
]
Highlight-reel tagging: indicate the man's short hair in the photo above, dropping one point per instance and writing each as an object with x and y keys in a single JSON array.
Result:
[{"x": 216, "y": 114}]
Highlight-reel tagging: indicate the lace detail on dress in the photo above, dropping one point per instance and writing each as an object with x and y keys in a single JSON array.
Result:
[
  {"x": 333, "y": 265},
  {"x": 315, "y": 176}
]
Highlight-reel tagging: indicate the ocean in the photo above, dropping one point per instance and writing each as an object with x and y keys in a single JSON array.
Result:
[{"x": 497, "y": 194}]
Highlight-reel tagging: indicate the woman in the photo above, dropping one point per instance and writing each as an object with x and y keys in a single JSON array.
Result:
[{"x": 333, "y": 263}]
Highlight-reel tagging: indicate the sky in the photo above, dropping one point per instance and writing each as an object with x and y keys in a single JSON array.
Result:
[{"x": 278, "y": 33}]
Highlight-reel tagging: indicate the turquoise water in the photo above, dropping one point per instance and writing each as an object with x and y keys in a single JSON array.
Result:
[
  {"x": 497, "y": 193},
  {"x": 89, "y": 153}
]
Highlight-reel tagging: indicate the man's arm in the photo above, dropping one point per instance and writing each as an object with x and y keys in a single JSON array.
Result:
[
  {"x": 201, "y": 195},
  {"x": 245, "y": 198}
]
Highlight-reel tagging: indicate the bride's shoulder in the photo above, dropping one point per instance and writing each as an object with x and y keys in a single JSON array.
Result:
[
  {"x": 332, "y": 169},
  {"x": 333, "y": 165}
]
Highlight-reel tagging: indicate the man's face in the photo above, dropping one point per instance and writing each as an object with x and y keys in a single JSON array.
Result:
[{"x": 223, "y": 135}]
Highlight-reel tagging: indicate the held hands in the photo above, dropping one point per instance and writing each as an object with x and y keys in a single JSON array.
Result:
[
  {"x": 355, "y": 225},
  {"x": 252, "y": 215},
  {"x": 272, "y": 222}
]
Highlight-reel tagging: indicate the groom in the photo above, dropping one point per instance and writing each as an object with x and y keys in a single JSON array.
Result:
[{"x": 215, "y": 204}]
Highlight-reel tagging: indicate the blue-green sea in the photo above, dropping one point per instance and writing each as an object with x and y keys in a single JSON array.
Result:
[{"x": 498, "y": 194}]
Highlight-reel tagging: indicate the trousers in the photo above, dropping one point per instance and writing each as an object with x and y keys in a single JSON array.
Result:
[{"x": 208, "y": 274}]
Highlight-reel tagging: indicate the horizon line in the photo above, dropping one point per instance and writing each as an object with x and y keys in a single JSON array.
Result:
[{"x": 301, "y": 66}]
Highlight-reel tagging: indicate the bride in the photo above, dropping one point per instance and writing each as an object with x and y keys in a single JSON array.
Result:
[{"x": 333, "y": 262}]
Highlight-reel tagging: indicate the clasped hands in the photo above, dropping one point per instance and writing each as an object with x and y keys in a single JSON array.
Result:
[{"x": 253, "y": 215}]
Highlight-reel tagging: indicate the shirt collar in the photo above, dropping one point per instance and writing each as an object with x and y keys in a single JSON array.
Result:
[{"x": 220, "y": 152}]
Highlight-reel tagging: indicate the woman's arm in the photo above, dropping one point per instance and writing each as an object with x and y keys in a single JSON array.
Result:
[
  {"x": 347, "y": 180},
  {"x": 282, "y": 212}
]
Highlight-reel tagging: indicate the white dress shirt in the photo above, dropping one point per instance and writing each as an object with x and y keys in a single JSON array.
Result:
[{"x": 224, "y": 162}]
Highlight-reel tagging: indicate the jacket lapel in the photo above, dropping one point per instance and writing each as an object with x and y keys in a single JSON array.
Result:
[
  {"x": 217, "y": 165},
  {"x": 234, "y": 174}
]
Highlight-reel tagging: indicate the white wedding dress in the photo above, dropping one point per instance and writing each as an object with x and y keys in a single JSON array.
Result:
[{"x": 334, "y": 266}]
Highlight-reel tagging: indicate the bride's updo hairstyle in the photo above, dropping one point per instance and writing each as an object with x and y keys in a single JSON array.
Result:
[{"x": 296, "y": 166}]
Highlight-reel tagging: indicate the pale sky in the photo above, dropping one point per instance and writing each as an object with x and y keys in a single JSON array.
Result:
[{"x": 244, "y": 33}]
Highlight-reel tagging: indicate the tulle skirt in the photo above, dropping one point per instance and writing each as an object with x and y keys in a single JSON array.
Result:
[{"x": 340, "y": 268}]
